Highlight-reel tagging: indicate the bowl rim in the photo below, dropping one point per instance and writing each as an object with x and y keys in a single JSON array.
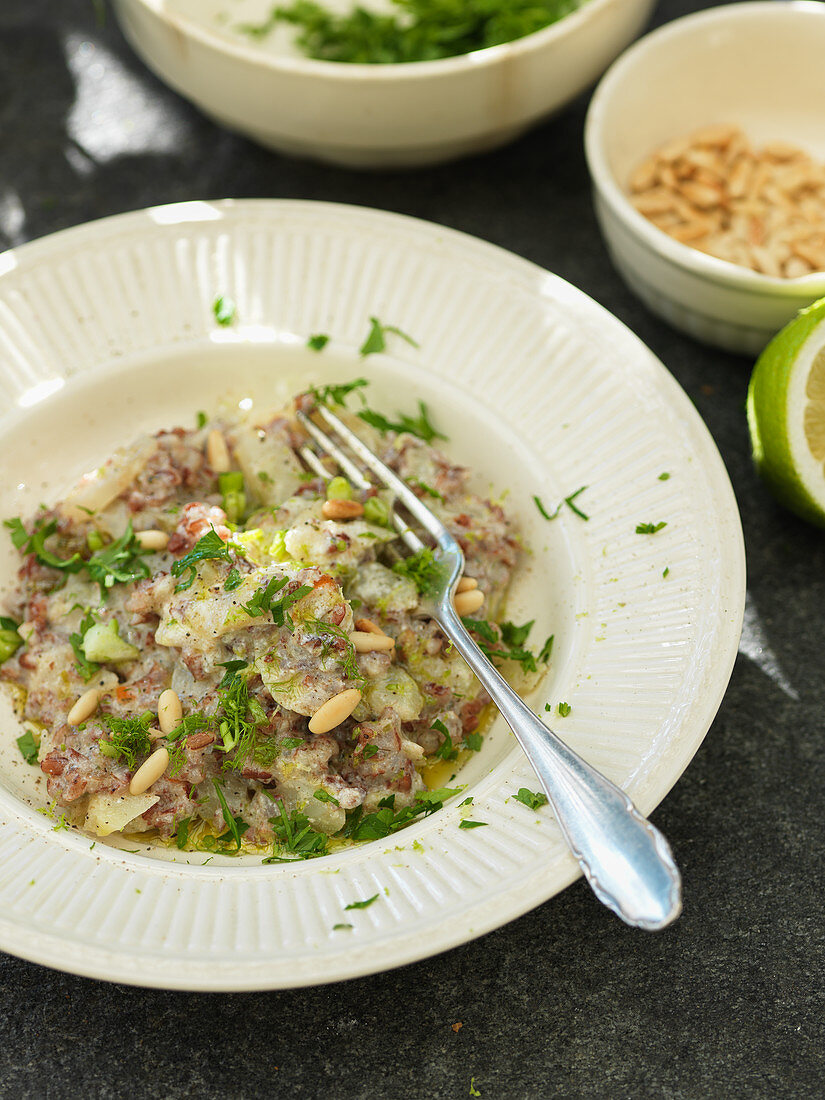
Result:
[
  {"x": 408, "y": 70},
  {"x": 711, "y": 268}
]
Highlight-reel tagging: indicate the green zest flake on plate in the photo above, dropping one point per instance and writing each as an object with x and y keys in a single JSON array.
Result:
[
  {"x": 546, "y": 649},
  {"x": 531, "y": 799},
  {"x": 664, "y": 476},
  {"x": 649, "y": 528},
  {"x": 468, "y": 824},
  {"x": 224, "y": 310},
  {"x": 362, "y": 904},
  {"x": 318, "y": 342},
  {"x": 28, "y": 747},
  {"x": 336, "y": 927}
]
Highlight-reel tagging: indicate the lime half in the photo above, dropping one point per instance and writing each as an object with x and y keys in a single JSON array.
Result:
[{"x": 786, "y": 414}]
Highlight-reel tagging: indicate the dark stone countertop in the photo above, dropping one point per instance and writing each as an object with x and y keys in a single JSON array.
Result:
[{"x": 565, "y": 1002}]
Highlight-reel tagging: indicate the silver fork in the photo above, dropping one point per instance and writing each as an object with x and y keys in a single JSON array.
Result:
[{"x": 626, "y": 860}]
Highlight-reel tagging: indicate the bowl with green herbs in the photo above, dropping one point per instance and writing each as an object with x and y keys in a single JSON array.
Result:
[{"x": 383, "y": 83}]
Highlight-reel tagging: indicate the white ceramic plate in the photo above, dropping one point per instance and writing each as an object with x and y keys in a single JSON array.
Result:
[{"x": 107, "y": 330}]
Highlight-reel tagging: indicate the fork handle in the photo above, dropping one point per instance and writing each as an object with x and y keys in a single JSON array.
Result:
[{"x": 626, "y": 860}]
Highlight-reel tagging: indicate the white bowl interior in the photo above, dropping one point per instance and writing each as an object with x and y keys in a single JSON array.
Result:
[{"x": 757, "y": 65}]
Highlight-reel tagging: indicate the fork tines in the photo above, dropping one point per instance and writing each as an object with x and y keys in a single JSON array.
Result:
[{"x": 380, "y": 471}]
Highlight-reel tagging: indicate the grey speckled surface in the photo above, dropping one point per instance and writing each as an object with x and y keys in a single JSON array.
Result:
[{"x": 564, "y": 1002}]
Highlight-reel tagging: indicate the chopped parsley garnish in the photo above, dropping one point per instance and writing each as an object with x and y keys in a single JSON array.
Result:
[
  {"x": 231, "y": 667},
  {"x": 211, "y": 545},
  {"x": 493, "y": 647},
  {"x": 423, "y": 30},
  {"x": 235, "y": 826},
  {"x": 28, "y": 747},
  {"x": 386, "y": 819},
  {"x": 224, "y": 310},
  {"x": 468, "y": 824},
  {"x": 325, "y": 796},
  {"x": 533, "y": 800},
  {"x": 289, "y": 743},
  {"x": 129, "y": 737},
  {"x": 650, "y": 528},
  {"x": 664, "y": 477},
  {"x": 239, "y": 717},
  {"x": 182, "y": 832},
  {"x": 376, "y": 341},
  {"x": 35, "y": 543},
  {"x": 414, "y": 425},
  {"x": 318, "y": 341},
  {"x": 445, "y": 750},
  {"x": 666, "y": 570},
  {"x": 86, "y": 668},
  {"x": 423, "y": 569},
  {"x": 336, "y": 393},
  {"x": 546, "y": 649},
  {"x": 263, "y": 602},
  {"x": 233, "y": 580},
  {"x": 515, "y": 635},
  {"x": 295, "y": 838},
  {"x": 425, "y": 488},
  {"x": 473, "y": 741},
  {"x": 201, "y": 420},
  {"x": 543, "y": 510},
  {"x": 175, "y": 741},
  {"x": 118, "y": 563},
  {"x": 368, "y": 751},
  {"x": 564, "y": 709},
  {"x": 568, "y": 501},
  {"x": 362, "y": 904},
  {"x": 336, "y": 927}
]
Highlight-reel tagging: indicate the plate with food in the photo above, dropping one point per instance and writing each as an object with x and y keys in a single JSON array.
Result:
[{"x": 238, "y": 751}]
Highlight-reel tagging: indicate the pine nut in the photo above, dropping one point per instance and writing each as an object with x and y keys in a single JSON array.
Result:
[
  {"x": 152, "y": 540},
  {"x": 365, "y": 641},
  {"x": 465, "y": 584},
  {"x": 149, "y": 772},
  {"x": 217, "y": 452},
  {"x": 342, "y": 509},
  {"x": 170, "y": 711},
  {"x": 368, "y": 626},
  {"x": 333, "y": 712},
  {"x": 468, "y": 602},
  {"x": 84, "y": 708},
  {"x": 411, "y": 750}
]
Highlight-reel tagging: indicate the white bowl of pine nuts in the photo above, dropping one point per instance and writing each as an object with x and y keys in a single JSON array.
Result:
[{"x": 706, "y": 148}]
